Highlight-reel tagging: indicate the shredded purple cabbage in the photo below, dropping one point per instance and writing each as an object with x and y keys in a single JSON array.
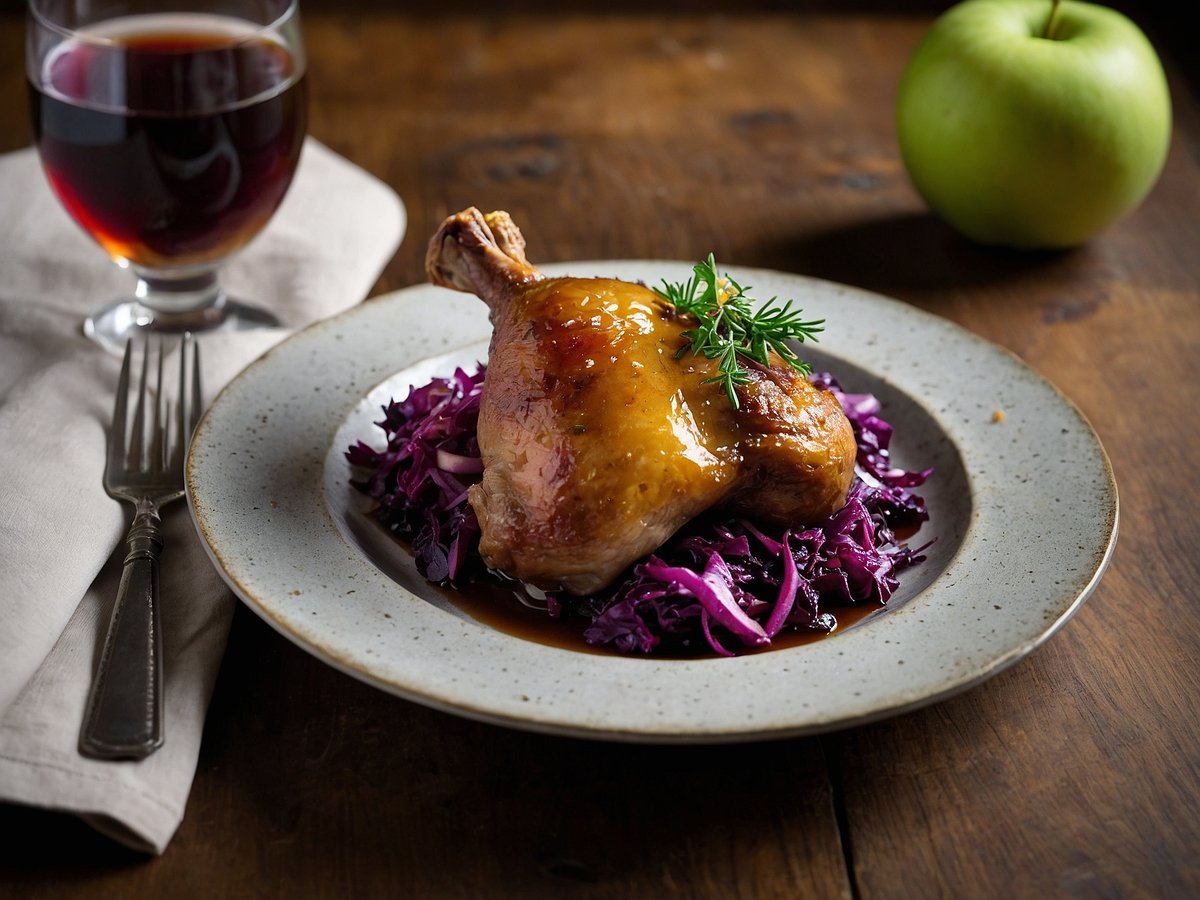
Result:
[
  {"x": 420, "y": 481},
  {"x": 716, "y": 586}
]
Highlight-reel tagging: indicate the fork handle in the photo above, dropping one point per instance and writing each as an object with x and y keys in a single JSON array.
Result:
[{"x": 124, "y": 711}]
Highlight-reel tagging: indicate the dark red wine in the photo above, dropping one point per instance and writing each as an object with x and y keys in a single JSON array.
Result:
[{"x": 171, "y": 146}]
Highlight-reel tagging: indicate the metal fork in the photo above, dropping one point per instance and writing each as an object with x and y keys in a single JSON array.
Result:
[{"x": 124, "y": 711}]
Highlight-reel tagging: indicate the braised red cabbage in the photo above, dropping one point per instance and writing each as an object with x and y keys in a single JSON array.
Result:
[
  {"x": 717, "y": 586},
  {"x": 420, "y": 480}
]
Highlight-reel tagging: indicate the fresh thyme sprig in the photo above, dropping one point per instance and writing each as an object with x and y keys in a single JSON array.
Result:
[{"x": 729, "y": 325}]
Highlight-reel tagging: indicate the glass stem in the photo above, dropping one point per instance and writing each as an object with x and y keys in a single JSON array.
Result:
[
  {"x": 171, "y": 294},
  {"x": 191, "y": 302}
]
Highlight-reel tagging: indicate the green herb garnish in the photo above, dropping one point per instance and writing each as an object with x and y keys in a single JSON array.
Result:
[{"x": 729, "y": 325}]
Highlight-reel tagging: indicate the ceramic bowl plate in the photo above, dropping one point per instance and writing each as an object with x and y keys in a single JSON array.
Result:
[{"x": 1023, "y": 506}]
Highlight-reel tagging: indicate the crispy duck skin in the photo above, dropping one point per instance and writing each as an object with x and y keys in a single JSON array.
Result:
[{"x": 599, "y": 441}]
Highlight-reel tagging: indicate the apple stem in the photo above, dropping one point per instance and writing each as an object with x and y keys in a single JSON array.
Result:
[{"x": 1052, "y": 20}]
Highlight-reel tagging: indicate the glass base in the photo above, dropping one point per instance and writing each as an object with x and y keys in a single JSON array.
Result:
[{"x": 114, "y": 325}]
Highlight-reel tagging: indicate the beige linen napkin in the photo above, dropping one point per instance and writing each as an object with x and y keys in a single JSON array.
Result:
[{"x": 321, "y": 253}]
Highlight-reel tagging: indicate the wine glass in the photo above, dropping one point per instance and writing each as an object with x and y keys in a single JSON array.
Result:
[{"x": 170, "y": 132}]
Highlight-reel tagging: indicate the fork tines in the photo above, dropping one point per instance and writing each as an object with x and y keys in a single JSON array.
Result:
[{"x": 161, "y": 448}]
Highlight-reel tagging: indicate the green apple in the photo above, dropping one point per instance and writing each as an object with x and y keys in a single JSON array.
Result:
[{"x": 1027, "y": 129}]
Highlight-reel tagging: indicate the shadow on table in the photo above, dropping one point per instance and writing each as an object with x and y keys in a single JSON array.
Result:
[
  {"x": 903, "y": 256},
  {"x": 36, "y": 840}
]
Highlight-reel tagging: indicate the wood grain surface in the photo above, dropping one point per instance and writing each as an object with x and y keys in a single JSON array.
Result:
[{"x": 766, "y": 137}]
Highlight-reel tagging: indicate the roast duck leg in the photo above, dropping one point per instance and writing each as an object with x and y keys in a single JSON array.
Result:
[{"x": 599, "y": 440}]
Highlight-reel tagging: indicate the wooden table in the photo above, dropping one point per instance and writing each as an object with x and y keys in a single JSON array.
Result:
[{"x": 766, "y": 137}]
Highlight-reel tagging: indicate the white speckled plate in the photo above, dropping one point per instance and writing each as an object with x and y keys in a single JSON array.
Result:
[{"x": 1024, "y": 511}]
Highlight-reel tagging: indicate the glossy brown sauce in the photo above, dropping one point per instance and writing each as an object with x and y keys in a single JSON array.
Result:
[{"x": 496, "y": 606}]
